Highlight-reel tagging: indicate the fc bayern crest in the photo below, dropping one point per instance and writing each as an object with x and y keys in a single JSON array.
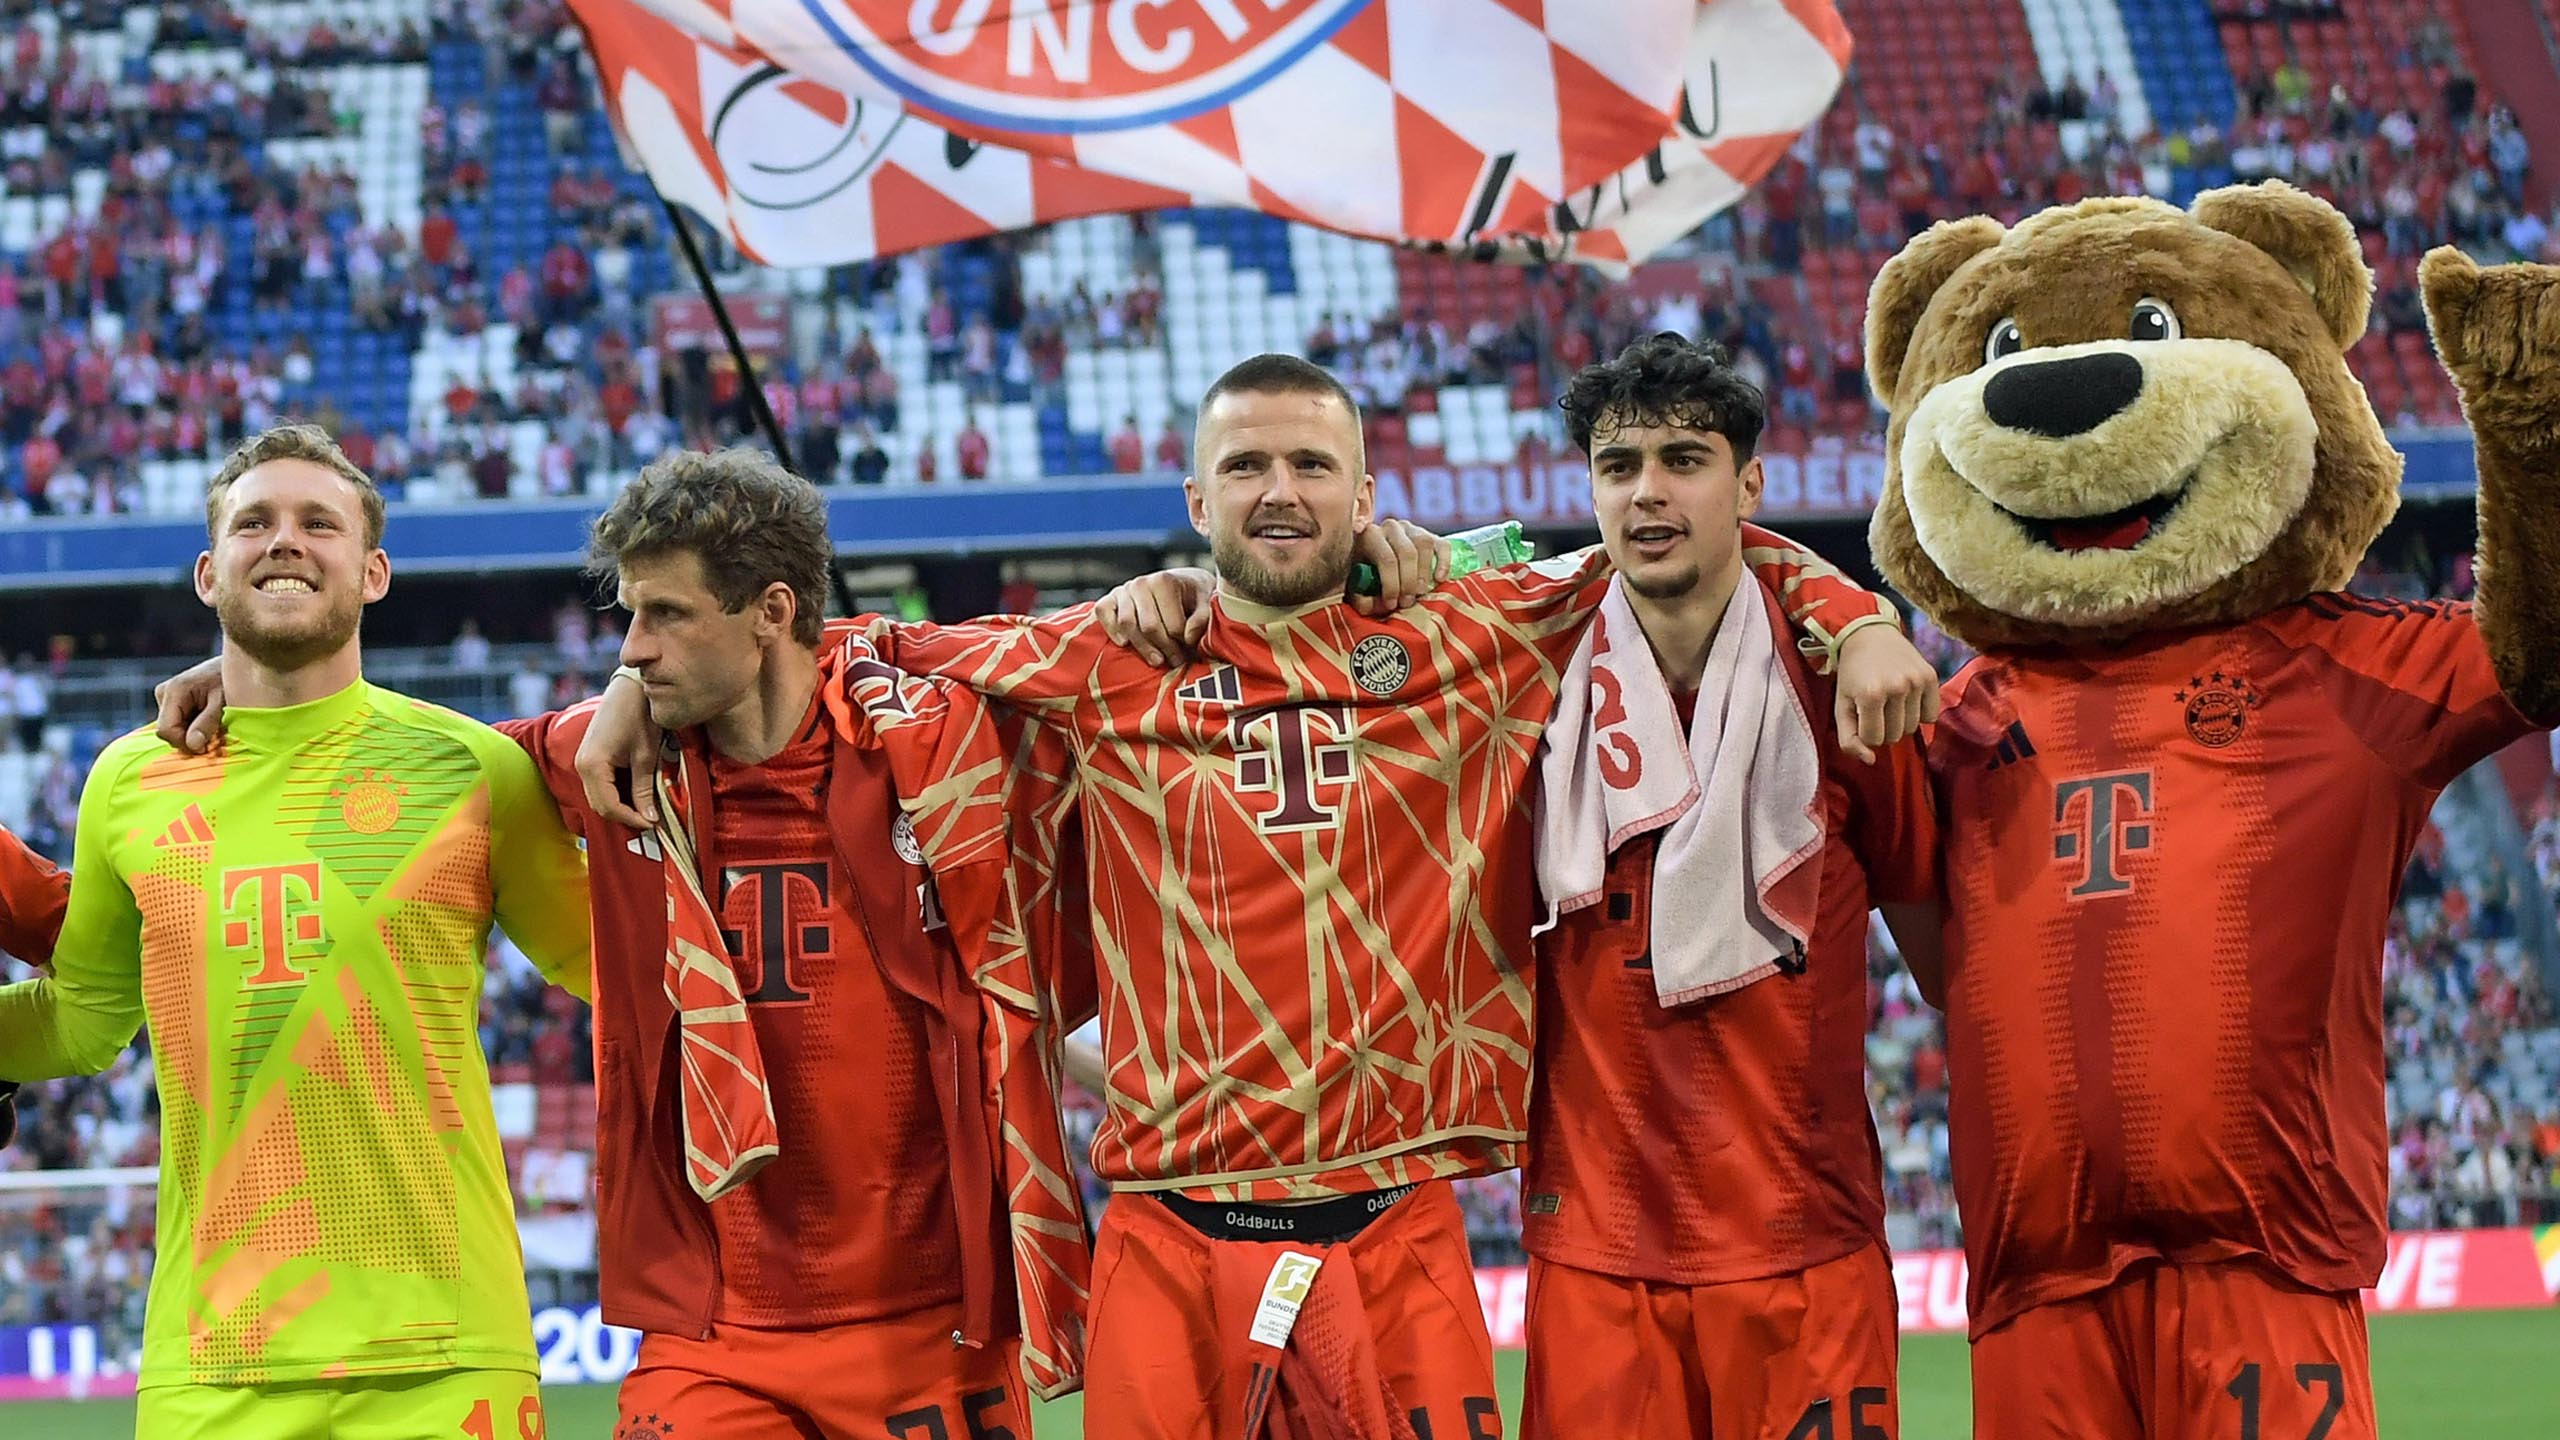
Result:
[
  {"x": 902, "y": 838},
  {"x": 2217, "y": 707},
  {"x": 1064, "y": 66},
  {"x": 369, "y": 801},
  {"x": 1380, "y": 665}
]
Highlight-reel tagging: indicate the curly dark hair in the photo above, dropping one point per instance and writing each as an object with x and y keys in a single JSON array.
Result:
[
  {"x": 750, "y": 521},
  {"x": 1666, "y": 379}
]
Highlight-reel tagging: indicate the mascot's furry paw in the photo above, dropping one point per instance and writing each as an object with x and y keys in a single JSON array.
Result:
[{"x": 2498, "y": 331}]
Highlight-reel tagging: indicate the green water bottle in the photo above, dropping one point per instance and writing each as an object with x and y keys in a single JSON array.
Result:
[{"x": 1469, "y": 550}]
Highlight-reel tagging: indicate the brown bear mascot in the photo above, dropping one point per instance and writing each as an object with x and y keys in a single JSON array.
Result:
[{"x": 2128, "y": 464}]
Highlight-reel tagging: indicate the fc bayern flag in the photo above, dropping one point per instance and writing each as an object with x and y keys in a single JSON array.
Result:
[{"x": 825, "y": 131}]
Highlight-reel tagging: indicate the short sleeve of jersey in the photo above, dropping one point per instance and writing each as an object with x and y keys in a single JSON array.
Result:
[
  {"x": 537, "y": 873},
  {"x": 33, "y": 894},
  {"x": 2413, "y": 680},
  {"x": 1823, "y": 605},
  {"x": 550, "y": 741},
  {"x": 1893, "y": 825}
]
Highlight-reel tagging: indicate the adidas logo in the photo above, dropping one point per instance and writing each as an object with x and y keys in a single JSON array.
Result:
[
  {"x": 646, "y": 847},
  {"x": 1219, "y": 687},
  {"x": 185, "y": 832},
  {"x": 2014, "y": 746}
]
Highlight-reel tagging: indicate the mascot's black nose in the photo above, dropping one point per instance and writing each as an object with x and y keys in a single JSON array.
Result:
[{"x": 2063, "y": 397}]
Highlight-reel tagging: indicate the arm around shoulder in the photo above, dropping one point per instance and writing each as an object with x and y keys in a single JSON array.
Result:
[
  {"x": 1042, "y": 663},
  {"x": 1824, "y": 606},
  {"x": 537, "y": 873}
]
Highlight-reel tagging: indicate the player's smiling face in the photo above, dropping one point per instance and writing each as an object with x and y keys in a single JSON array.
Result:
[
  {"x": 291, "y": 568},
  {"x": 1670, "y": 501},
  {"x": 1281, "y": 492},
  {"x": 697, "y": 659}
]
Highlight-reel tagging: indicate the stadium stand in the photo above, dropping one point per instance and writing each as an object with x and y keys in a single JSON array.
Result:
[
  {"x": 431, "y": 242},
  {"x": 217, "y": 213}
]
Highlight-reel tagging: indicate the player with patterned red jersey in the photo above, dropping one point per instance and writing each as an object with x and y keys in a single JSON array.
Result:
[{"x": 2169, "y": 866}]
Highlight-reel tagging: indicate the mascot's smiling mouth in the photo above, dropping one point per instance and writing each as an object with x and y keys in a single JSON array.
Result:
[{"x": 2117, "y": 530}]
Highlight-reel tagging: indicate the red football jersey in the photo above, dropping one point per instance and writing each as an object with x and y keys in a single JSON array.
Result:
[
  {"x": 2169, "y": 867},
  {"x": 1309, "y": 868},
  {"x": 33, "y": 892},
  {"x": 1726, "y": 1139},
  {"x": 856, "y": 1221}
]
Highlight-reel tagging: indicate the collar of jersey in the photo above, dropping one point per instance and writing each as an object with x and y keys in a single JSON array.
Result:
[
  {"x": 283, "y": 726},
  {"x": 1254, "y": 612}
]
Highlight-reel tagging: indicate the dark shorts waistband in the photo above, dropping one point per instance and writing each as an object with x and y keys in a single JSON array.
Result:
[{"x": 1317, "y": 1222}]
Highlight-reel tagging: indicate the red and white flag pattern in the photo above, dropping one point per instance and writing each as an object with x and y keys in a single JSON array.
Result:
[{"x": 826, "y": 131}]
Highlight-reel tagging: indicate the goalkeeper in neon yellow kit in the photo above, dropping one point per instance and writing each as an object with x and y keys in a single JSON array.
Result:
[{"x": 302, "y": 916}]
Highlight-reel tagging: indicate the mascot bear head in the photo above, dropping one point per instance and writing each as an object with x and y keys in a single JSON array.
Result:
[{"x": 2121, "y": 416}]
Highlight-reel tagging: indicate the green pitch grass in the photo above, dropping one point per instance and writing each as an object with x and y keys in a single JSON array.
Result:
[{"x": 2485, "y": 1372}]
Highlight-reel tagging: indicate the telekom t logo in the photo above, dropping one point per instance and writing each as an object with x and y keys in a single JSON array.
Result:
[
  {"x": 274, "y": 911},
  {"x": 2100, "y": 819},
  {"x": 1295, "y": 761},
  {"x": 781, "y": 913}
]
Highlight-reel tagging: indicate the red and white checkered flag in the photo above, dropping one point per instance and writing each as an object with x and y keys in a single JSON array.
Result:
[{"x": 826, "y": 131}]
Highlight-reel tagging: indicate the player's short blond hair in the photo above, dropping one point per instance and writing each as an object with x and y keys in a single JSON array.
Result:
[{"x": 303, "y": 442}]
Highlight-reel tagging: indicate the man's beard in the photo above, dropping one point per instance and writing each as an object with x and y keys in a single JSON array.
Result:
[
  {"x": 707, "y": 692},
  {"x": 683, "y": 710},
  {"x": 1319, "y": 576},
  {"x": 1674, "y": 586},
  {"x": 292, "y": 646}
]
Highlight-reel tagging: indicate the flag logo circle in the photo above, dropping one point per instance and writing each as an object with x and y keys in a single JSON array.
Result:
[
  {"x": 781, "y": 153},
  {"x": 1065, "y": 66},
  {"x": 902, "y": 838}
]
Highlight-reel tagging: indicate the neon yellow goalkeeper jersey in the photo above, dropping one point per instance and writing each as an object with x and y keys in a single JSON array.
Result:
[{"x": 303, "y": 917}]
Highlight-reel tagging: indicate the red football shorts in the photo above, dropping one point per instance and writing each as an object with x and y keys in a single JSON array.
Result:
[
  {"x": 1810, "y": 1353},
  {"x": 900, "y": 1378},
  {"x": 1386, "y": 1340},
  {"x": 2180, "y": 1352}
]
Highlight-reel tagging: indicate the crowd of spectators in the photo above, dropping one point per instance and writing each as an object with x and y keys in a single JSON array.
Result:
[
  {"x": 2462, "y": 1006},
  {"x": 107, "y": 357},
  {"x": 2454, "y": 176},
  {"x": 83, "y": 1255}
]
